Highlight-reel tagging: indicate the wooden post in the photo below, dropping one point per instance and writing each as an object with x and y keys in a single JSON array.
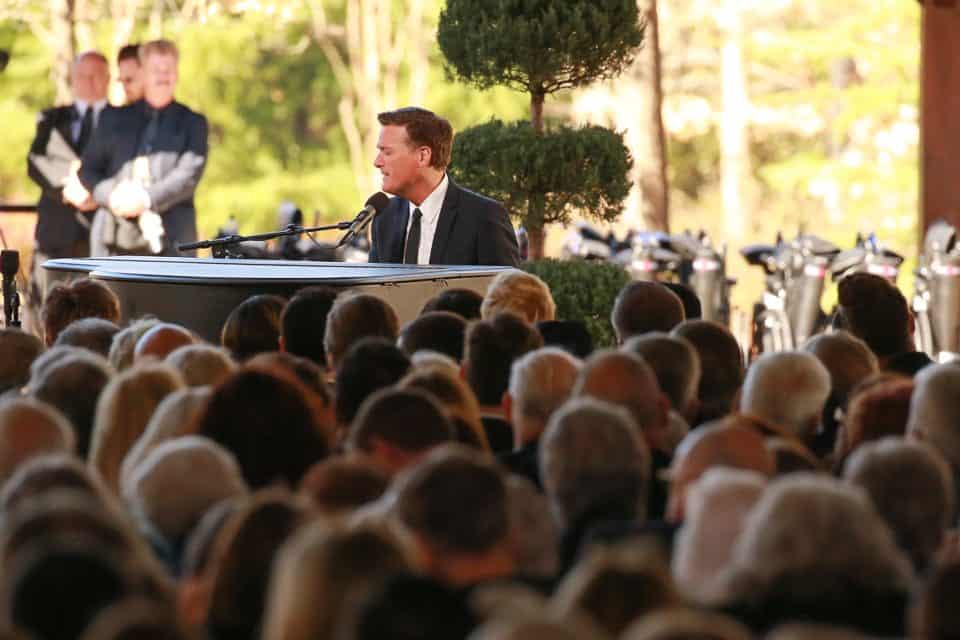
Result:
[{"x": 940, "y": 113}]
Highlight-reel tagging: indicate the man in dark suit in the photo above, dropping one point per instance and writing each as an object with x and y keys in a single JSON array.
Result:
[
  {"x": 144, "y": 165},
  {"x": 432, "y": 220},
  {"x": 65, "y": 207}
]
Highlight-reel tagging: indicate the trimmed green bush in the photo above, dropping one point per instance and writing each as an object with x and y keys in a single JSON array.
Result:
[{"x": 584, "y": 290}]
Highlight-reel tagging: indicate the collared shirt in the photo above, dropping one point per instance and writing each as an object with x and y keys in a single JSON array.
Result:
[
  {"x": 430, "y": 212},
  {"x": 81, "y": 108}
]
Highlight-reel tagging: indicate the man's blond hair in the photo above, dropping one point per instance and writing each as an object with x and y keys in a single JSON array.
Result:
[{"x": 158, "y": 47}]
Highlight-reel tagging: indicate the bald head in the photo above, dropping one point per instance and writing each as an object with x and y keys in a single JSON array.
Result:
[
  {"x": 29, "y": 428},
  {"x": 161, "y": 340},
  {"x": 625, "y": 380},
  {"x": 645, "y": 306},
  {"x": 713, "y": 446}
]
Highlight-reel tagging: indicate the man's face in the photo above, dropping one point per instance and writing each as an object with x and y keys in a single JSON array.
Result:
[
  {"x": 159, "y": 79},
  {"x": 398, "y": 160},
  {"x": 89, "y": 79},
  {"x": 131, "y": 78}
]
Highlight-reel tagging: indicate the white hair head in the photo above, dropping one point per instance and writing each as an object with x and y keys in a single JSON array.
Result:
[
  {"x": 935, "y": 413},
  {"x": 788, "y": 389},
  {"x": 540, "y": 381}
]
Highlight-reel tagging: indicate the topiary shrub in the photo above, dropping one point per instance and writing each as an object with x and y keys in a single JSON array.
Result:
[{"x": 583, "y": 290}]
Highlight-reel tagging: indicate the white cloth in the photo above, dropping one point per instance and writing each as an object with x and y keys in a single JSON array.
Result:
[{"x": 430, "y": 212}]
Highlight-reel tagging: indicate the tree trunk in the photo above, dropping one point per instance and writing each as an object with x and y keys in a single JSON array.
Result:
[
  {"x": 536, "y": 112},
  {"x": 650, "y": 145},
  {"x": 940, "y": 104},
  {"x": 63, "y": 46},
  {"x": 735, "y": 159},
  {"x": 536, "y": 238}
]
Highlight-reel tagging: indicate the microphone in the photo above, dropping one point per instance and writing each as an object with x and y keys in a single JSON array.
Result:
[
  {"x": 9, "y": 266},
  {"x": 374, "y": 205}
]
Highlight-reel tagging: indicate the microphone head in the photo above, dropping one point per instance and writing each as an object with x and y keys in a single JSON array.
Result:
[
  {"x": 378, "y": 201},
  {"x": 9, "y": 263}
]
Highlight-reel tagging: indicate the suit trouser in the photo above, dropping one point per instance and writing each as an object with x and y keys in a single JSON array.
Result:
[{"x": 42, "y": 280}]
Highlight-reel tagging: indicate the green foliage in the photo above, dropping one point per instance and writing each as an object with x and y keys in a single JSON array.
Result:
[
  {"x": 538, "y": 46},
  {"x": 548, "y": 178},
  {"x": 584, "y": 291}
]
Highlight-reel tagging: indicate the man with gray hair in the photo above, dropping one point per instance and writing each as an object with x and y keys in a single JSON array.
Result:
[
  {"x": 911, "y": 487},
  {"x": 788, "y": 390},
  {"x": 935, "y": 413},
  {"x": 93, "y": 334},
  {"x": 595, "y": 467},
  {"x": 540, "y": 381},
  {"x": 29, "y": 428},
  {"x": 201, "y": 364},
  {"x": 676, "y": 365}
]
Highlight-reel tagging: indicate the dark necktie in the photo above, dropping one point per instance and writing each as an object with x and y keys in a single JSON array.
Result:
[
  {"x": 412, "y": 250},
  {"x": 150, "y": 132},
  {"x": 86, "y": 128}
]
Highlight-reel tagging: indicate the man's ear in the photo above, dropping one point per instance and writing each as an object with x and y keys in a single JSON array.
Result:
[{"x": 424, "y": 156}]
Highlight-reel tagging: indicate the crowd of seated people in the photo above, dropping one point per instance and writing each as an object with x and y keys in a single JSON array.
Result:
[{"x": 481, "y": 471}]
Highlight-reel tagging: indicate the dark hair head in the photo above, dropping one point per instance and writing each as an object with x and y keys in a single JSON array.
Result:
[
  {"x": 463, "y": 302},
  {"x": 570, "y": 335},
  {"x": 424, "y": 129},
  {"x": 455, "y": 501},
  {"x": 338, "y": 484},
  {"x": 408, "y": 419},
  {"x": 306, "y": 371},
  {"x": 643, "y": 306},
  {"x": 355, "y": 316},
  {"x": 85, "y": 298},
  {"x": 253, "y": 327},
  {"x": 18, "y": 350},
  {"x": 304, "y": 321},
  {"x": 874, "y": 310},
  {"x": 721, "y": 365},
  {"x": 691, "y": 303},
  {"x": 129, "y": 52},
  {"x": 265, "y": 419},
  {"x": 370, "y": 365},
  {"x": 410, "y": 607},
  {"x": 440, "y": 331},
  {"x": 491, "y": 347}
]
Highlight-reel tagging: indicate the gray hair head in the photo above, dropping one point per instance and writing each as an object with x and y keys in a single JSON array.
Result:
[
  {"x": 201, "y": 364},
  {"x": 935, "y": 413},
  {"x": 95, "y": 334},
  {"x": 178, "y": 481},
  {"x": 675, "y": 363},
  {"x": 125, "y": 341},
  {"x": 788, "y": 389},
  {"x": 540, "y": 381},
  {"x": 592, "y": 452},
  {"x": 533, "y": 533}
]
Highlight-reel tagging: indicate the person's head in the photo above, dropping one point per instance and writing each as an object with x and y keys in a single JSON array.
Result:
[
  {"x": 440, "y": 331},
  {"x": 177, "y": 481},
  {"x": 161, "y": 340},
  {"x": 47, "y": 474},
  {"x": 710, "y": 446},
  {"x": 716, "y": 506},
  {"x": 354, "y": 316},
  {"x": 521, "y": 293},
  {"x": 90, "y": 77},
  {"x": 28, "y": 429},
  {"x": 266, "y": 420},
  {"x": 692, "y": 309},
  {"x": 72, "y": 301},
  {"x": 322, "y": 573},
  {"x": 136, "y": 619},
  {"x": 253, "y": 327},
  {"x": 123, "y": 411},
  {"x": 465, "y": 303},
  {"x": 73, "y": 385},
  {"x": 158, "y": 60},
  {"x": 935, "y": 413},
  {"x": 676, "y": 365},
  {"x": 413, "y": 151},
  {"x": 125, "y": 341},
  {"x": 491, "y": 347},
  {"x": 456, "y": 399},
  {"x": 849, "y": 360},
  {"x": 911, "y": 487},
  {"x": 879, "y": 409},
  {"x": 540, "y": 382},
  {"x": 592, "y": 454},
  {"x": 201, "y": 364},
  {"x": 18, "y": 350},
  {"x": 129, "y": 73},
  {"x": 721, "y": 366},
  {"x": 624, "y": 379},
  {"x": 643, "y": 306},
  {"x": 397, "y": 427},
  {"x": 304, "y": 321},
  {"x": 455, "y": 506},
  {"x": 94, "y": 334},
  {"x": 678, "y": 622},
  {"x": 370, "y": 364},
  {"x": 788, "y": 389},
  {"x": 341, "y": 485},
  {"x": 534, "y": 534},
  {"x": 873, "y": 309},
  {"x": 570, "y": 335}
]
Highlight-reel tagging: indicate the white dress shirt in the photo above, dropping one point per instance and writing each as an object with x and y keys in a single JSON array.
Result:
[
  {"x": 81, "y": 108},
  {"x": 430, "y": 215}
]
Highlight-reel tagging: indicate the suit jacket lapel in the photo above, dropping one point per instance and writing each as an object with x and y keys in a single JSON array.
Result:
[
  {"x": 65, "y": 126},
  {"x": 448, "y": 215}
]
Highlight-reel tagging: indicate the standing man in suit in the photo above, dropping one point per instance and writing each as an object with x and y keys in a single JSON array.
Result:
[
  {"x": 144, "y": 165},
  {"x": 432, "y": 220},
  {"x": 65, "y": 208},
  {"x": 129, "y": 72}
]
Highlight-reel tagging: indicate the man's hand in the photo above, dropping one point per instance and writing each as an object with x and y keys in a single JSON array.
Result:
[
  {"x": 128, "y": 200},
  {"x": 74, "y": 193}
]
